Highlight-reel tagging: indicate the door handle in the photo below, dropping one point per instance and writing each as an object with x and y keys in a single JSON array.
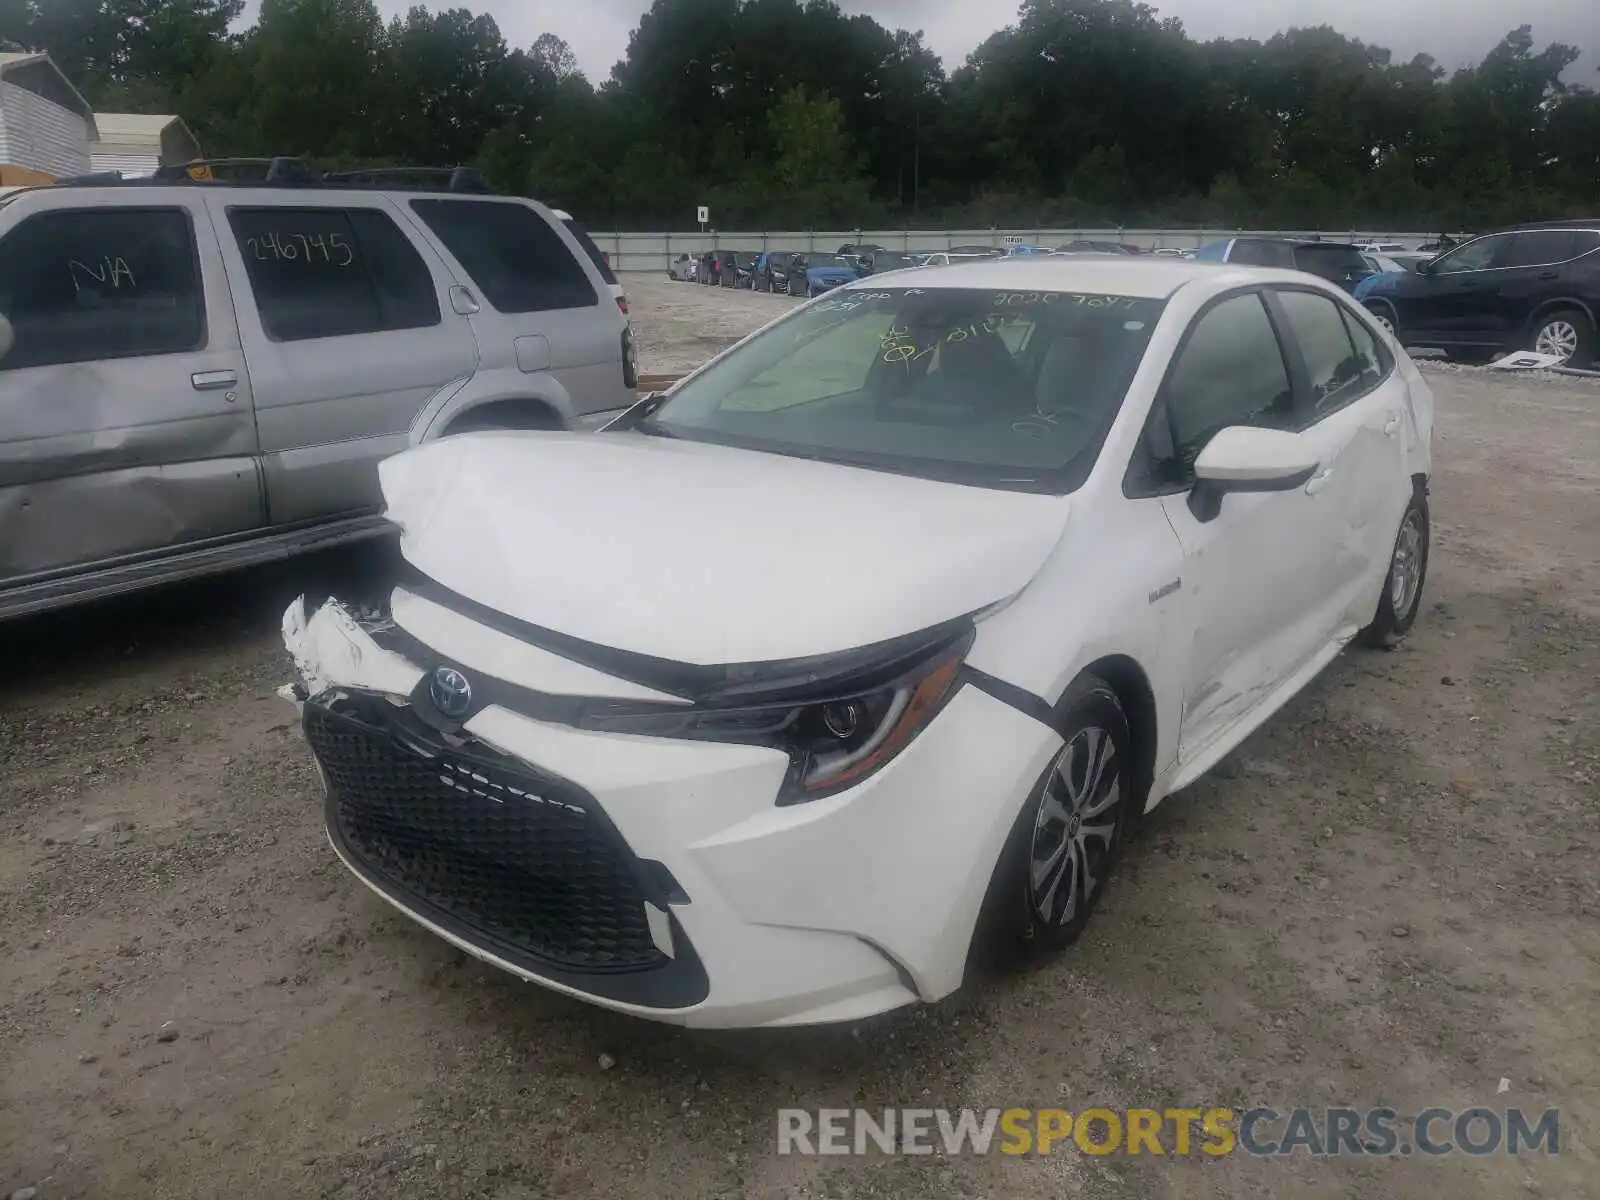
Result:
[
  {"x": 211, "y": 381},
  {"x": 1391, "y": 426},
  {"x": 1319, "y": 481},
  {"x": 1549, "y": 274}
]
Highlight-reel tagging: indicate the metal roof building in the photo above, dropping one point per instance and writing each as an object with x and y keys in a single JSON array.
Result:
[
  {"x": 136, "y": 144},
  {"x": 45, "y": 125}
]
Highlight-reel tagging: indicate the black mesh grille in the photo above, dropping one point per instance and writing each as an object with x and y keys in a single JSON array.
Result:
[{"x": 519, "y": 860}]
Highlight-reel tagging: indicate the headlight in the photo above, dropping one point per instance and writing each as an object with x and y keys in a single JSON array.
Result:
[{"x": 834, "y": 739}]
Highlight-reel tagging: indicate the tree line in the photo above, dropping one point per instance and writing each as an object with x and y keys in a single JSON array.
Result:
[{"x": 792, "y": 113}]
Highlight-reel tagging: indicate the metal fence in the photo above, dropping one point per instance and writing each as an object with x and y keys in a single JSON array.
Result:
[{"x": 653, "y": 251}]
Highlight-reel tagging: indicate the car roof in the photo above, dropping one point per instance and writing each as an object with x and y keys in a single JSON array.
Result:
[
  {"x": 1142, "y": 276},
  {"x": 1586, "y": 223}
]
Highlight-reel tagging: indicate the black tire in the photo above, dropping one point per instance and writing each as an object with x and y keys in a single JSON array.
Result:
[
  {"x": 1021, "y": 924},
  {"x": 1387, "y": 317},
  {"x": 1400, "y": 603},
  {"x": 1567, "y": 320}
]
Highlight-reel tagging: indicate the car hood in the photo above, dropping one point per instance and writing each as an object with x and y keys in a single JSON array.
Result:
[{"x": 707, "y": 554}]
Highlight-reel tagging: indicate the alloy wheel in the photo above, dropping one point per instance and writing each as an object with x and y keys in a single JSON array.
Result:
[
  {"x": 1405, "y": 572},
  {"x": 1075, "y": 829},
  {"x": 1558, "y": 337}
]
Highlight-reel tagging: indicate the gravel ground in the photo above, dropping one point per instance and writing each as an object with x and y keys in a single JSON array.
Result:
[{"x": 1389, "y": 898}]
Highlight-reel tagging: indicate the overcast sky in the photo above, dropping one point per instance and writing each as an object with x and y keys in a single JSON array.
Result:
[{"x": 1456, "y": 32}]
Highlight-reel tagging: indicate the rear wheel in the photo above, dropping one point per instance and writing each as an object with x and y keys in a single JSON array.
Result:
[
  {"x": 1402, "y": 586},
  {"x": 1566, "y": 333},
  {"x": 1062, "y": 848}
]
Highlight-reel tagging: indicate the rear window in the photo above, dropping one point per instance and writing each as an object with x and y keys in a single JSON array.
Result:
[
  {"x": 518, "y": 261},
  {"x": 593, "y": 251},
  {"x": 1331, "y": 262}
]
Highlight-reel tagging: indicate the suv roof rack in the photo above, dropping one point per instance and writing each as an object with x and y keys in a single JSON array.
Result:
[
  {"x": 287, "y": 171},
  {"x": 445, "y": 179}
]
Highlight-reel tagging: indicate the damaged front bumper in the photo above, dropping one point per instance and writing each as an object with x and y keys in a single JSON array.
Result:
[{"x": 653, "y": 875}]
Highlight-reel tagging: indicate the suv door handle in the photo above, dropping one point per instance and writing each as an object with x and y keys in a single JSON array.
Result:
[
  {"x": 1549, "y": 274},
  {"x": 1319, "y": 481},
  {"x": 211, "y": 381},
  {"x": 1391, "y": 426}
]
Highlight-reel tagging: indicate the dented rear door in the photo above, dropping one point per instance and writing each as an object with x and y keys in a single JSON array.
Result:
[{"x": 126, "y": 427}]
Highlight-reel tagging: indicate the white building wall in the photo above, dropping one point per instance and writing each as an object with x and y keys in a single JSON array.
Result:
[
  {"x": 129, "y": 162},
  {"x": 42, "y": 136}
]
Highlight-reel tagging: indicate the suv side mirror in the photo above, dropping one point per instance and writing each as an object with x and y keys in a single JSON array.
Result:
[
  {"x": 8, "y": 335},
  {"x": 1243, "y": 459}
]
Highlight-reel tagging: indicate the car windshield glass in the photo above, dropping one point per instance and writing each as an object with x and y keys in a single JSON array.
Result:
[
  {"x": 1009, "y": 389},
  {"x": 886, "y": 261},
  {"x": 830, "y": 260}
]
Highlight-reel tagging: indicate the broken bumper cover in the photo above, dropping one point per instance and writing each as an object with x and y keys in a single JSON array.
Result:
[{"x": 656, "y": 876}]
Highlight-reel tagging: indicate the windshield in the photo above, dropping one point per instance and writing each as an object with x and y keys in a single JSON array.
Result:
[
  {"x": 1009, "y": 390},
  {"x": 830, "y": 260},
  {"x": 888, "y": 262}
]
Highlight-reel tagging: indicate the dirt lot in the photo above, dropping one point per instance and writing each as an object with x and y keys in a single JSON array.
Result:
[{"x": 1390, "y": 898}]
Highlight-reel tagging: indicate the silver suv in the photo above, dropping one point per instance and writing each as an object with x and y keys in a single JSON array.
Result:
[{"x": 198, "y": 374}]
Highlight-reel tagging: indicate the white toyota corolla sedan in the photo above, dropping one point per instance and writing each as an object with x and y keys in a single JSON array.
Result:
[{"x": 847, "y": 663}]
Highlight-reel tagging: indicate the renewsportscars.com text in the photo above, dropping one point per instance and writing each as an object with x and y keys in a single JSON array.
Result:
[{"x": 1326, "y": 1132}]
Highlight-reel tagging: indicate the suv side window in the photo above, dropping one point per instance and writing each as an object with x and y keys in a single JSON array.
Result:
[
  {"x": 1229, "y": 371},
  {"x": 332, "y": 272},
  {"x": 519, "y": 262},
  {"x": 1474, "y": 256},
  {"x": 1337, "y": 373},
  {"x": 1541, "y": 248},
  {"x": 92, "y": 284}
]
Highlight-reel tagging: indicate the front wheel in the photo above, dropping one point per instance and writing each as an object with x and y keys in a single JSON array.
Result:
[
  {"x": 1386, "y": 317},
  {"x": 1567, "y": 334},
  {"x": 1402, "y": 585},
  {"x": 1062, "y": 848}
]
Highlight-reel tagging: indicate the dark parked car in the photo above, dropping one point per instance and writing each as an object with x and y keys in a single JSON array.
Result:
[
  {"x": 737, "y": 266},
  {"x": 1084, "y": 246},
  {"x": 880, "y": 261},
  {"x": 772, "y": 270},
  {"x": 1533, "y": 287},
  {"x": 991, "y": 251},
  {"x": 727, "y": 268},
  {"x": 710, "y": 269},
  {"x": 1336, "y": 262}
]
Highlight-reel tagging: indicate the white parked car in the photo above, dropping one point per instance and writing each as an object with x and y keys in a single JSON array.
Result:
[{"x": 851, "y": 660}]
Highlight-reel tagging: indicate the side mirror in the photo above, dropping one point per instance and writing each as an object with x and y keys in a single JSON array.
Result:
[
  {"x": 8, "y": 335},
  {"x": 1242, "y": 459}
]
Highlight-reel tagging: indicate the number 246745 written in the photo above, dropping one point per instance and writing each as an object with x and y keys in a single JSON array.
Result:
[{"x": 333, "y": 248}]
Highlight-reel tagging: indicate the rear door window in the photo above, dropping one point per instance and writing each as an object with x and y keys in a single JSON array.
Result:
[
  {"x": 1337, "y": 373},
  {"x": 518, "y": 261},
  {"x": 1541, "y": 248},
  {"x": 92, "y": 284},
  {"x": 332, "y": 272}
]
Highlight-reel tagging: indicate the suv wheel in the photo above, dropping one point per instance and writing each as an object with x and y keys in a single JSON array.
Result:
[
  {"x": 1386, "y": 317},
  {"x": 1567, "y": 333}
]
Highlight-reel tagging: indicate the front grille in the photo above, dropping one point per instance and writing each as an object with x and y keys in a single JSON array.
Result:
[{"x": 508, "y": 859}]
